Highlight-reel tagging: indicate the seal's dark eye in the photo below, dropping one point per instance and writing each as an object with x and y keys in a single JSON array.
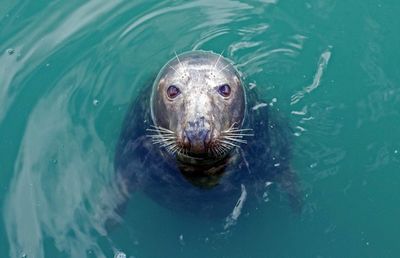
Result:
[
  {"x": 224, "y": 90},
  {"x": 173, "y": 91}
]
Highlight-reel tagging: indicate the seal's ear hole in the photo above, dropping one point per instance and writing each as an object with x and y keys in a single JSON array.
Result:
[
  {"x": 224, "y": 90},
  {"x": 173, "y": 91}
]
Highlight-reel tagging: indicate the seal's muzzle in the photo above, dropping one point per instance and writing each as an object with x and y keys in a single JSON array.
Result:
[{"x": 197, "y": 134}]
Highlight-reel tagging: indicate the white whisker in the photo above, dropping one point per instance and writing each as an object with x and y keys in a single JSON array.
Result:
[
  {"x": 229, "y": 143},
  {"x": 219, "y": 57},
  {"x": 158, "y": 128},
  {"x": 226, "y": 148},
  {"x": 167, "y": 144},
  {"x": 161, "y": 141},
  {"x": 181, "y": 74},
  {"x": 177, "y": 57},
  {"x": 162, "y": 137},
  {"x": 238, "y": 134},
  {"x": 224, "y": 68},
  {"x": 234, "y": 139},
  {"x": 237, "y": 130}
]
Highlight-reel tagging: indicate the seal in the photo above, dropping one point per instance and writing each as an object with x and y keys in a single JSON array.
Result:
[
  {"x": 197, "y": 107},
  {"x": 197, "y": 140}
]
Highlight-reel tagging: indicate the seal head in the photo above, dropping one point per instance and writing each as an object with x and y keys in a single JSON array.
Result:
[{"x": 197, "y": 106}]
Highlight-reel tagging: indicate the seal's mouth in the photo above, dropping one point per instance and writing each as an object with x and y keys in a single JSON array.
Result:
[
  {"x": 196, "y": 141},
  {"x": 200, "y": 144}
]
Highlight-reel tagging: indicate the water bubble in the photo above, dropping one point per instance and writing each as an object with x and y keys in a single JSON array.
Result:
[
  {"x": 396, "y": 151},
  {"x": 47, "y": 65},
  {"x": 95, "y": 102}
]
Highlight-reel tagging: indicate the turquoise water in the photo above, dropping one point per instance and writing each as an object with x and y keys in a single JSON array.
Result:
[{"x": 70, "y": 69}]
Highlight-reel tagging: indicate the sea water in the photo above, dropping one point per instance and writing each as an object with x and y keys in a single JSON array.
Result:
[{"x": 69, "y": 71}]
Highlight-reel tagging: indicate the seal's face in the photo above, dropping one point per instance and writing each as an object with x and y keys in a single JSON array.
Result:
[{"x": 198, "y": 106}]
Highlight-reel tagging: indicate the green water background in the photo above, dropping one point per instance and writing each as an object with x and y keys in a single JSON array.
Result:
[{"x": 70, "y": 69}]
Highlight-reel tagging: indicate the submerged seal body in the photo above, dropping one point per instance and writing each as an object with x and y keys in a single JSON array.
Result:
[{"x": 191, "y": 140}]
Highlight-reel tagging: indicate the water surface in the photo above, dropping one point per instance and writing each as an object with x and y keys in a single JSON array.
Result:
[{"x": 69, "y": 71}]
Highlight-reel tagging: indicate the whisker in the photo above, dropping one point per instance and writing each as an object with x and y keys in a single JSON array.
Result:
[
  {"x": 234, "y": 139},
  {"x": 158, "y": 128},
  {"x": 179, "y": 150},
  {"x": 177, "y": 57},
  {"x": 173, "y": 149},
  {"x": 167, "y": 144},
  {"x": 161, "y": 137},
  {"x": 238, "y": 134},
  {"x": 224, "y": 68},
  {"x": 157, "y": 141},
  {"x": 219, "y": 150},
  {"x": 181, "y": 74},
  {"x": 226, "y": 148},
  {"x": 229, "y": 143},
  {"x": 219, "y": 57},
  {"x": 158, "y": 132},
  {"x": 236, "y": 130},
  {"x": 214, "y": 151}
]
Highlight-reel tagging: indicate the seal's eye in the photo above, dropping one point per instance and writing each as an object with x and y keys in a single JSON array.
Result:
[
  {"x": 173, "y": 91},
  {"x": 224, "y": 90}
]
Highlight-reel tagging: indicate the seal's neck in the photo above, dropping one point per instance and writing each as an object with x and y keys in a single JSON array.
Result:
[
  {"x": 203, "y": 172},
  {"x": 206, "y": 175}
]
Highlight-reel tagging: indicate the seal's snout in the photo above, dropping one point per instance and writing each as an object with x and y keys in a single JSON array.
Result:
[{"x": 197, "y": 134}]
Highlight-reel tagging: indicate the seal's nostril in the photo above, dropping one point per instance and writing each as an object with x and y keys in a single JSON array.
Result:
[{"x": 198, "y": 134}]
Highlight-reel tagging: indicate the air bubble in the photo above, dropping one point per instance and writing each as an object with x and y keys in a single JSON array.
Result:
[{"x": 95, "y": 102}]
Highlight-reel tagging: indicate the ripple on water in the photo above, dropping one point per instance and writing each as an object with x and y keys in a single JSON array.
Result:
[{"x": 96, "y": 56}]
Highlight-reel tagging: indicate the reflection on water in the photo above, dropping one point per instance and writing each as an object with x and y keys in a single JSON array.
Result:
[{"x": 69, "y": 71}]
